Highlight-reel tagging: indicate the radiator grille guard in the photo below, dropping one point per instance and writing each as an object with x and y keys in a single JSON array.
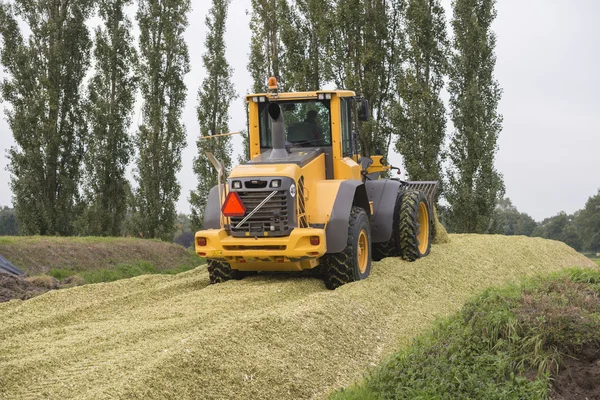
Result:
[
  {"x": 427, "y": 187},
  {"x": 276, "y": 217}
]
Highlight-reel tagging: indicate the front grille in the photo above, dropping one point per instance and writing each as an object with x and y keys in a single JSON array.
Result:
[{"x": 271, "y": 218}]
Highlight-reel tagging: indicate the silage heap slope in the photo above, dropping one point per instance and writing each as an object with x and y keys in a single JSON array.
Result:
[{"x": 267, "y": 337}]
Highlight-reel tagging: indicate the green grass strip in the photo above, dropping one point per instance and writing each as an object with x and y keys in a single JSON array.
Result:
[
  {"x": 504, "y": 344},
  {"x": 121, "y": 271}
]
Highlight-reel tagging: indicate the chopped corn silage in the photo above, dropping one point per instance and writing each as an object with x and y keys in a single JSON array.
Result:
[
  {"x": 265, "y": 337},
  {"x": 441, "y": 234}
]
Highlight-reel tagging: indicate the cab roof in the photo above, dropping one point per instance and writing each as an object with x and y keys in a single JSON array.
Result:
[{"x": 300, "y": 95}]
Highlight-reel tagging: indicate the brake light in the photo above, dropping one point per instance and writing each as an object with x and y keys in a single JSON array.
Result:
[
  {"x": 314, "y": 240},
  {"x": 201, "y": 242},
  {"x": 233, "y": 206}
]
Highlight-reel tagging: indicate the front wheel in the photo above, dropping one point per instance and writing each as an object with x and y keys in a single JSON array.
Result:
[
  {"x": 354, "y": 262},
  {"x": 219, "y": 272}
]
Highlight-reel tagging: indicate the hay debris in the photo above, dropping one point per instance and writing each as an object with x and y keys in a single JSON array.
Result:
[
  {"x": 43, "y": 281},
  {"x": 266, "y": 337},
  {"x": 441, "y": 234}
]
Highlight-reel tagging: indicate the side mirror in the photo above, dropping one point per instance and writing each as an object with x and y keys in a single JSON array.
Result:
[{"x": 363, "y": 110}]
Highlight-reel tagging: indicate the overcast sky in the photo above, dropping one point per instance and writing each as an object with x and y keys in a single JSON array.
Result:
[{"x": 548, "y": 64}]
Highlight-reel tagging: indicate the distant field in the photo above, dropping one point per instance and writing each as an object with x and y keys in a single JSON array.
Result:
[{"x": 95, "y": 259}]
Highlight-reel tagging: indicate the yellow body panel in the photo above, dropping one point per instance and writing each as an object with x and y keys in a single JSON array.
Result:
[
  {"x": 254, "y": 134},
  {"x": 346, "y": 169},
  {"x": 321, "y": 196},
  {"x": 313, "y": 171},
  {"x": 336, "y": 134},
  {"x": 257, "y": 170},
  {"x": 288, "y": 253}
]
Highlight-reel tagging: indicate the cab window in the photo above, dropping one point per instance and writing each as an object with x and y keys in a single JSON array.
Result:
[
  {"x": 307, "y": 123},
  {"x": 346, "y": 116}
]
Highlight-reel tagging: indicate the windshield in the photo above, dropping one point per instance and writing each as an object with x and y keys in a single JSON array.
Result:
[{"x": 307, "y": 123}]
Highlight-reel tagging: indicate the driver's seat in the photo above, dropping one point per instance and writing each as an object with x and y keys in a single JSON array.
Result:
[{"x": 300, "y": 132}]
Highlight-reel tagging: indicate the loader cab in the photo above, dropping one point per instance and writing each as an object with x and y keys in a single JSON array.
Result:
[{"x": 330, "y": 133}]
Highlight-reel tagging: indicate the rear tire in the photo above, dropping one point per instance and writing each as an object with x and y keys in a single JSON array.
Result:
[
  {"x": 391, "y": 248},
  {"x": 415, "y": 226},
  {"x": 354, "y": 262},
  {"x": 219, "y": 272}
]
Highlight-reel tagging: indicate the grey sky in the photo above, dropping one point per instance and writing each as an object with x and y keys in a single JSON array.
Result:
[{"x": 548, "y": 65}]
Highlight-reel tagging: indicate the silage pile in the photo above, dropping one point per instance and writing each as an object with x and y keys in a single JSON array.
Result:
[{"x": 267, "y": 337}]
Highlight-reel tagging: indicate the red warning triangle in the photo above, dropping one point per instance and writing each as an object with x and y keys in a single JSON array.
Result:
[{"x": 233, "y": 206}]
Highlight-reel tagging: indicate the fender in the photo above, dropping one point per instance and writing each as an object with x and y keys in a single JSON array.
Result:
[
  {"x": 350, "y": 193},
  {"x": 383, "y": 194},
  {"x": 212, "y": 211}
]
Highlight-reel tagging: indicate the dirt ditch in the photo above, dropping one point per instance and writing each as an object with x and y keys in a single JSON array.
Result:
[
  {"x": 17, "y": 287},
  {"x": 579, "y": 376},
  {"x": 263, "y": 337}
]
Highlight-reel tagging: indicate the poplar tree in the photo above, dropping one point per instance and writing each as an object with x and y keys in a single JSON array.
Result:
[
  {"x": 43, "y": 88},
  {"x": 215, "y": 96},
  {"x": 164, "y": 61},
  {"x": 266, "y": 49},
  {"x": 289, "y": 42},
  {"x": 244, "y": 155},
  {"x": 304, "y": 37},
  {"x": 365, "y": 47},
  {"x": 356, "y": 44},
  {"x": 474, "y": 184},
  {"x": 110, "y": 107},
  {"x": 419, "y": 120}
]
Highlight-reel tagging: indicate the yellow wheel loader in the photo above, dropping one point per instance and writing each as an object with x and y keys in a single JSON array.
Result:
[{"x": 307, "y": 199}]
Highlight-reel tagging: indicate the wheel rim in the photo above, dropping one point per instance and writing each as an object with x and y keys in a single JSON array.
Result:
[
  {"x": 423, "y": 235},
  {"x": 363, "y": 251}
]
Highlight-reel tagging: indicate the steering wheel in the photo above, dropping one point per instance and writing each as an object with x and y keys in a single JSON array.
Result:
[{"x": 304, "y": 143}]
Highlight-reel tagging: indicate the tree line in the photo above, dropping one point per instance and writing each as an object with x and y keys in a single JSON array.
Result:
[
  {"x": 72, "y": 136},
  {"x": 72, "y": 141},
  {"x": 580, "y": 230},
  {"x": 397, "y": 54}
]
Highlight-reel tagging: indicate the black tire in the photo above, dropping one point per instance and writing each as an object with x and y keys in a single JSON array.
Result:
[
  {"x": 219, "y": 272},
  {"x": 391, "y": 248},
  {"x": 413, "y": 205},
  {"x": 344, "y": 267}
]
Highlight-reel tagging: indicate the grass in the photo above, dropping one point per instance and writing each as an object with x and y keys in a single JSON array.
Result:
[
  {"x": 504, "y": 344},
  {"x": 264, "y": 337},
  {"x": 597, "y": 261},
  {"x": 120, "y": 271},
  {"x": 96, "y": 259}
]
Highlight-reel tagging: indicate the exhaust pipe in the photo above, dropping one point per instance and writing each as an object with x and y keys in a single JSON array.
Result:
[{"x": 277, "y": 132}]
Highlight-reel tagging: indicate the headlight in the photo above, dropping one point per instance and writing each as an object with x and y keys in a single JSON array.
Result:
[
  {"x": 275, "y": 183},
  {"x": 236, "y": 184},
  {"x": 293, "y": 190}
]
